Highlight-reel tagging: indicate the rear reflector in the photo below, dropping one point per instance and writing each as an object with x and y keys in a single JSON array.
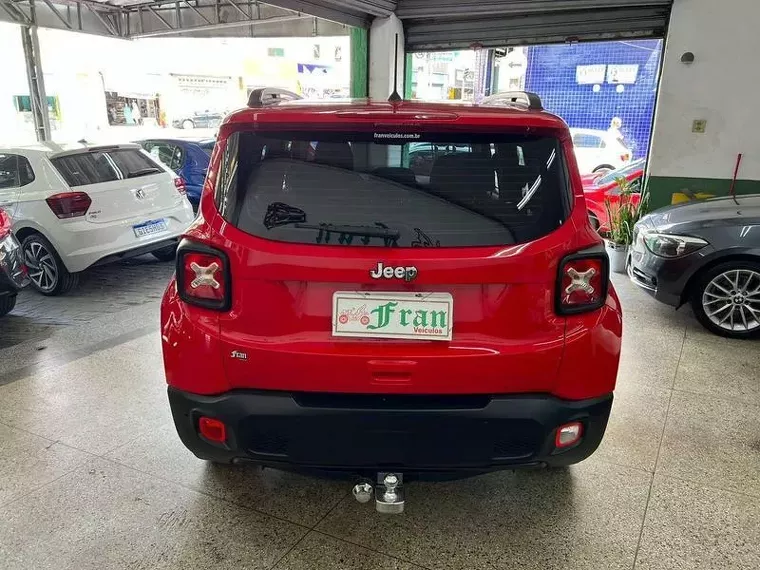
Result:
[
  {"x": 202, "y": 276},
  {"x": 582, "y": 283},
  {"x": 179, "y": 184},
  {"x": 212, "y": 429},
  {"x": 69, "y": 204},
  {"x": 568, "y": 434}
]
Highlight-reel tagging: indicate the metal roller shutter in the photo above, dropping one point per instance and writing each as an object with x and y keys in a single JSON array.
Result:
[
  {"x": 357, "y": 13},
  {"x": 458, "y": 24}
]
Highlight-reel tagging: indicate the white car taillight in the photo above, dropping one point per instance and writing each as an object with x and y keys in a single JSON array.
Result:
[
  {"x": 179, "y": 184},
  {"x": 69, "y": 204}
]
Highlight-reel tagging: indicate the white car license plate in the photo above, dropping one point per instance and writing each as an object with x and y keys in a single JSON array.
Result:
[
  {"x": 421, "y": 316},
  {"x": 150, "y": 228}
]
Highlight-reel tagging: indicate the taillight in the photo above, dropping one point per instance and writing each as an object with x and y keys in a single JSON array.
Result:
[
  {"x": 179, "y": 184},
  {"x": 203, "y": 276},
  {"x": 582, "y": 283},
  {"x": 625, "y": 157},
  {"x": 5, "y": 225},
  {"x": 69, "y": 204}
]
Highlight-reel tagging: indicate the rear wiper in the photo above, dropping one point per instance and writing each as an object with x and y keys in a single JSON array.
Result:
[
  {"x": 143, "y": 172},
  {"x": 346, "y": 233}
]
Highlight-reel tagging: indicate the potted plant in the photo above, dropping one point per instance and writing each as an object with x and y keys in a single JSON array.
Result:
[{"x": 622, "y": 217}]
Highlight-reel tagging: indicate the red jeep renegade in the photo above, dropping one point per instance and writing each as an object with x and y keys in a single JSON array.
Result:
[{"x": 392, "y": 287}]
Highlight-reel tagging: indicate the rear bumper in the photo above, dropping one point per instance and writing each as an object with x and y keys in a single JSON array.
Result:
[
  {"x": 364, "y": 434},
  {"x": 84, "y": 244}
]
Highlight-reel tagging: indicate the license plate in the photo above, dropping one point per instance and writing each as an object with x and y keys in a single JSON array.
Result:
[
  {"x": 150, "y": 228},
  {"x": 421, "y": 316}
]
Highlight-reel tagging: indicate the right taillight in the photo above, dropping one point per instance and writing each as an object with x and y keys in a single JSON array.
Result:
[
  {"x": 69, "y": 204},
  {"x": 203, "y": 277},
  {"x": 582, "y": 283},
  {"x": 180, "y": 185}
]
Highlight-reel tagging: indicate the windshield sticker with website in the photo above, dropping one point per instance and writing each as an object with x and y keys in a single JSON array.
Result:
[{"x": 397, "y": 136}]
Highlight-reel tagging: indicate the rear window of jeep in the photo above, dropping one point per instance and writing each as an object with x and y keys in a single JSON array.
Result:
[{"x": 393, "y": 189}]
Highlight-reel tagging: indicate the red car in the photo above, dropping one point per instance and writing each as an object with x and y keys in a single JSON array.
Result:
[
  {"x": 334, "y": 310},
  {"x": 597, "y": 189},
  {"x": 13, "y": 272}
]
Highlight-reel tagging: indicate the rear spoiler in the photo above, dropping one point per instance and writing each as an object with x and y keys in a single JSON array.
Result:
[{"x": 96, "y": 148}]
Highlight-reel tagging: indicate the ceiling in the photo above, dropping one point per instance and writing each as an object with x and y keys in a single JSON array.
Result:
[{"x": 428, "y": 24}]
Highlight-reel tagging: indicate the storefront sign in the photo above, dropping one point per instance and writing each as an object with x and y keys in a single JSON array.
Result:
[
  {"x": 622, "y": 74},
  {"x": 590, "y": 74}
]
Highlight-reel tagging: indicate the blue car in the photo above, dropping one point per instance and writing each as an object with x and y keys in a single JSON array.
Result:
[{"x": 189, "y": 158}]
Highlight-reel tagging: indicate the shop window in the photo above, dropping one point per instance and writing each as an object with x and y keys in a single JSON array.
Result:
[
  {"x": 316, "y": 51},
  {"x": 23, "y": 104}
]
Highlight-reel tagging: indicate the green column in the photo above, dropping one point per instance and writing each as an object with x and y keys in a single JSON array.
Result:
[
  {"x": 408, "y": 65},
  {"x": 359, "y": 62}
]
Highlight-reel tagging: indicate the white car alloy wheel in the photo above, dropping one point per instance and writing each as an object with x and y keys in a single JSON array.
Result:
[
  {"x": 43, "y": 269},
  {"x": 731, "y": 300},
  {"x": 188, "y": 124}
]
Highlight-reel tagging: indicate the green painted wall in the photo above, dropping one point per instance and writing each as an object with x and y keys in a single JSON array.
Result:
[
  {"x": 359, "y": 62},
  {"x": 408, "y": 63},
  {"x": 662, "y": 188}
]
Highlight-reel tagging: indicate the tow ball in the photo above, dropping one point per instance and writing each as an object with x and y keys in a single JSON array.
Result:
[{"x": 389, "y": 493}]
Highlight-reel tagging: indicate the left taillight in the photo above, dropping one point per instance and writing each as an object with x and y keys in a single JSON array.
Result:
[
  {"x": 180, "y": 185},
  {"x": 582, "y": 283},
  {"x": 69, "y": 204},
  {"x": 203, "y": 276}
]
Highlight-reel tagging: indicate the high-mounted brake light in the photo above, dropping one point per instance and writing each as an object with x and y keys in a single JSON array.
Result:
[
  {"x": 180, "y": 185},
  {"x": 69, "y": 204},
  {"x": 582, "y": 283},
  {"x": 203, "y": 276}
]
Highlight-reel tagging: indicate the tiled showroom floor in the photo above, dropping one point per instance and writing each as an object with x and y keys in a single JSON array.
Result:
[{"x": 92, "y": 474}]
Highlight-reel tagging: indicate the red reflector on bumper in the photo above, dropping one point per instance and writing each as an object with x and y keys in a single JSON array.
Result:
[
  {"x": 212, "y": 429},
  {"x": 568, "y": 434}
]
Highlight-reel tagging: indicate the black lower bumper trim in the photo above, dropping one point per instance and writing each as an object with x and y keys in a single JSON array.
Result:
[
  {"x": 136, "y": 252},
  {"x": 409, "y": 434}
]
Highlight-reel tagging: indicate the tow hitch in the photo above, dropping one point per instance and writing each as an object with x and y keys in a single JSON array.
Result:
[{"x": 389, "y": 493}]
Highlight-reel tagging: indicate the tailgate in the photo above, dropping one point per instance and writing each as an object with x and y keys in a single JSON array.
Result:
[
  {"x": 353, "y": 272},
  {"x": 124, "y": 183}
]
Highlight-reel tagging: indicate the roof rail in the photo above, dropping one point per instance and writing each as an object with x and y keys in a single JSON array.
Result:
[
  {"x": 270, "y": 96},
  {"x": 525, "y": 98}
]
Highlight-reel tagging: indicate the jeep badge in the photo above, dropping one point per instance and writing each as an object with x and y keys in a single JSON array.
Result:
[{"x": 383, "y": 272}]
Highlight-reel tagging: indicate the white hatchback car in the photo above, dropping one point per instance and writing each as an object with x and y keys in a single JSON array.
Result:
[
  {"x": 597, "y": 150},
  {"x": 77, "y": 206}
]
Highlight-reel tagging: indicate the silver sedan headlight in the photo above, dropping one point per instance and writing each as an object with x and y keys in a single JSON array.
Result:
[{"x": 671, "y": 246}]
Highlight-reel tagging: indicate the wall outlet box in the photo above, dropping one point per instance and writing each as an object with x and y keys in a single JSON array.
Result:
[{"x": 698, "y": 126}]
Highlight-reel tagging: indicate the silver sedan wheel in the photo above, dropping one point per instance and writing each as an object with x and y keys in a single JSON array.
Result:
[
  {"x": 732, "y": 300},
  {"x": 42, "y": 267}
]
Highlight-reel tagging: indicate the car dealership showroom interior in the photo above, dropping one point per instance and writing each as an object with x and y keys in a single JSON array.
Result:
[{"x": 210, "y": 360}]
